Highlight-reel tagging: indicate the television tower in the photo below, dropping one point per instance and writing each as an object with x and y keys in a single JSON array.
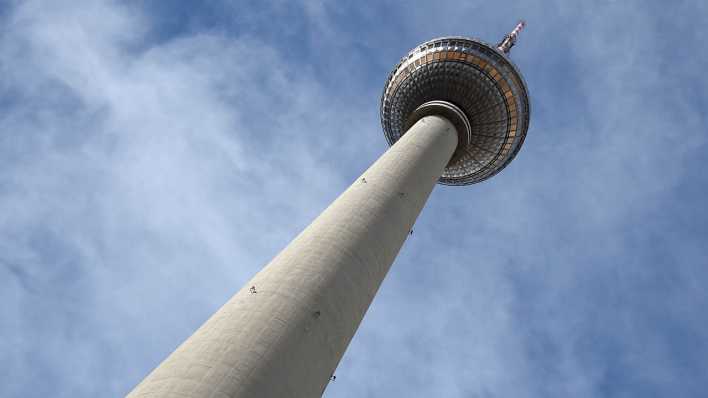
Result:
[{"x": 455, "y": 110}]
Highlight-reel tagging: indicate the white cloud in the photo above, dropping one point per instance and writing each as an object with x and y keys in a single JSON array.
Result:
[
  {"x": 138, "y": 186},
  {"x": 142, "y": 183}
]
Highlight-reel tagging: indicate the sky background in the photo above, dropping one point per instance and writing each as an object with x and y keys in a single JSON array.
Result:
[{"x": 154, "y": 155}]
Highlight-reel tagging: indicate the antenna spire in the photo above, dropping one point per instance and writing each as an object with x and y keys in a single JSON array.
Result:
[{"x": 509, "y": 40}]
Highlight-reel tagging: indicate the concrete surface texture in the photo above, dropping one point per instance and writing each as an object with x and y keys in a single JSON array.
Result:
[{"x": 283, "y": 334}]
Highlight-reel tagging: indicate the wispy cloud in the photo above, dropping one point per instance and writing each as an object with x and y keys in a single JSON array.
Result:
[
  {"x": 147, "y": 172},
  {"x": 135, "y": 175}
]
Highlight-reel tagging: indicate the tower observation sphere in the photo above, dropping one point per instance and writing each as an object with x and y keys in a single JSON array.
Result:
[{"x": 477, "y": 87}]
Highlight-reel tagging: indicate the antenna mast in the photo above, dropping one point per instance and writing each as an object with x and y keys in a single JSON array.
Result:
[{"x": 509, "y": 40}]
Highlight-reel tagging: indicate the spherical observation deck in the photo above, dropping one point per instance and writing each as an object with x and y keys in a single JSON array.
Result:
[{"x": 477, "y": 79}]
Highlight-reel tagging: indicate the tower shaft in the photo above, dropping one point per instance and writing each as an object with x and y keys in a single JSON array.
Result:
[{"x": 284, "y": 333}]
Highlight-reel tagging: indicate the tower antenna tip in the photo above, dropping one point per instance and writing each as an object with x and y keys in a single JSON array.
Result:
[{"x": 509, "y": 40}]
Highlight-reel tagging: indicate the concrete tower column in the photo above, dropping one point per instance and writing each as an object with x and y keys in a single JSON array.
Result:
[
  {"x": 455, "y": 110},
  {"x": 285, "y": 332}
]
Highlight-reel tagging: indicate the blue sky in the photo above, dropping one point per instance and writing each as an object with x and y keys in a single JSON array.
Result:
[{"x": 155, "y": 155}]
